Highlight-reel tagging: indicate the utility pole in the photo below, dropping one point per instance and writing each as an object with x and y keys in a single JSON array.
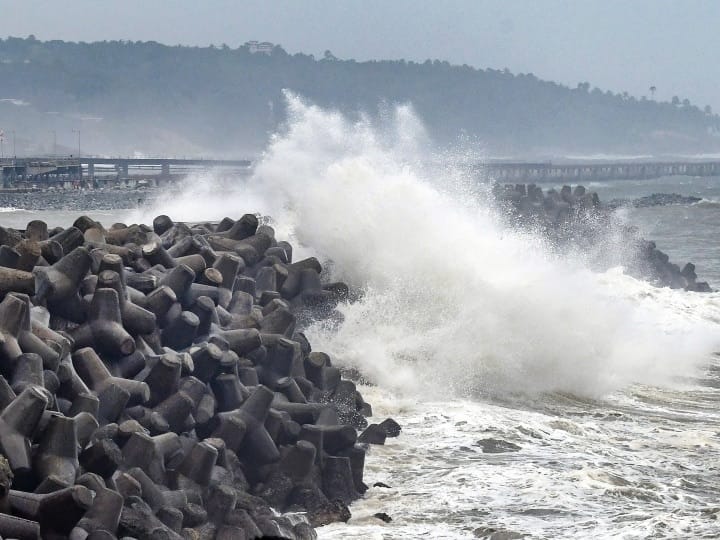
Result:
[
  {"x": 78, "y": 132},
  {"x": 80, "y": 170},
  {"x": 54, "y": 142},
  {"x": 14, "y": 153}
]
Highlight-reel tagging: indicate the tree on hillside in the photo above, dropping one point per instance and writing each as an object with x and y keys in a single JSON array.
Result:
[{"x": 218, "y": 98}]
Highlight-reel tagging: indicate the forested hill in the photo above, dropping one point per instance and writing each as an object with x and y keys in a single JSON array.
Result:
[{"x": 152, "y": 98}]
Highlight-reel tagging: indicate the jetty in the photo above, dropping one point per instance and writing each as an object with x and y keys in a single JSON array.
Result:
[
  {"x": 44, "y": 171},
  {"x": 571, "y": 172}
]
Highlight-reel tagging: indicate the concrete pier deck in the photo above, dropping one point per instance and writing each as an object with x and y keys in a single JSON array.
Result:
[{"x": 70, "y": 171}]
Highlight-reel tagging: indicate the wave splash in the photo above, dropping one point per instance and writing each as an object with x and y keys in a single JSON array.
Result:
[{"x": 453, "y": 304}]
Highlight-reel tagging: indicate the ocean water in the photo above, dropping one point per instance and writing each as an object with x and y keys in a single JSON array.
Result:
[
  {"x": 685, "y": 232},
  {"x": 466, "y": 330}
]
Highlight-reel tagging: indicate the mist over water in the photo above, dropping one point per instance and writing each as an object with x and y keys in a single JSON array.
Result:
[{"x": 453, "y": 304}]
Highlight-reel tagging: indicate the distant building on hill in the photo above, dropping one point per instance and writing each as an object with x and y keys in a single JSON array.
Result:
[{"x": 263, "y": 47}]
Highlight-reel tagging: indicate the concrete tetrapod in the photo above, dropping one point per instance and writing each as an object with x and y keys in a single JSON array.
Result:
[
  {"x": 171, "y": 383},
  {"x": 95, "y": 374},
  {"x": 103, "y": 329},
  {"x": 256, "y": 445},
  {"x": 17, "y": 424}
]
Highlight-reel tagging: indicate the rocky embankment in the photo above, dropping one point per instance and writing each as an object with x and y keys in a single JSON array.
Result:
[
  {"x": 656, "y": 199},
  {"x": 154, "y": 384},
  {"x": 574, "y": 218},
  {"x": 79, "y": 200}
]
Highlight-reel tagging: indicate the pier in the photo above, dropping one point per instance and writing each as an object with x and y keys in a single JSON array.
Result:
[
  {"x": 40, "y": 172},
  {"x": 100, "y": 171},
  {"x": 46, "y": 171},
  {"x": 520, "y": 172}
]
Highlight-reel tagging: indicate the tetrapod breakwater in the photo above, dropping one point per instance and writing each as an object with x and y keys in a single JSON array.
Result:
[
  {"x": 155, "y": 383},
  {"x": 575, "y": 218}
]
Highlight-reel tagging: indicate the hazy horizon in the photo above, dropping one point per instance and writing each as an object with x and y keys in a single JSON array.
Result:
[{"x": 613, "y": 45}]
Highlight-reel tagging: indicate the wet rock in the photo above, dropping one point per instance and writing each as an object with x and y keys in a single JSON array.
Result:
[
  {"x": 664, "y": 199},
  {"x": 373, "y": 434},
  {"x": 391, "y": 427},
  {"x": 496, "y": 446},
  {"x": 330, "y": 512},
  {"x": 491, "y": 533}
]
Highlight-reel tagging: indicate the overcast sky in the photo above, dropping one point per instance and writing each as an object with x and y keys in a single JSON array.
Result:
[{"x": 626, "y": 45}]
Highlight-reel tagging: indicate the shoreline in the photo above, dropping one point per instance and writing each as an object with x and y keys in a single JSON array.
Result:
[{"x": 274, "y": 383}]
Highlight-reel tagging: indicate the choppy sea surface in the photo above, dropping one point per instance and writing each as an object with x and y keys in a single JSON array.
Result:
[
  {"x": 465, "y": 331},
  {"x": 687, "y": 232},
  {"x": 639, "y": 462}
]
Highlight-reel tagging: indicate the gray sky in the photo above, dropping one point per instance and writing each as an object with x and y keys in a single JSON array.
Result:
[{"x": 618, "y": 45}]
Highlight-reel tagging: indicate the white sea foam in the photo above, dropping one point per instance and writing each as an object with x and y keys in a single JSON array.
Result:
[
  {"x": 632, "y": 466},
  {"x": 453, "y": 304},
  {"x": 708, "y": 202}
]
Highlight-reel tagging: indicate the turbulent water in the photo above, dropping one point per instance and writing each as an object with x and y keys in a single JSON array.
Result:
[{"x": 465, "y": 330}]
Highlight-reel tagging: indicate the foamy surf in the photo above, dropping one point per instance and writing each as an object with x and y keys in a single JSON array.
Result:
[
  {"x": 453, "y": 303},
  {"x": 468, "y": 330},
  {"x": 635, "y": 465}
]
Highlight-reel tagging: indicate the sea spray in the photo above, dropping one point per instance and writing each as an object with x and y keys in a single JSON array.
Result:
[{"x": 452, "y": 304}]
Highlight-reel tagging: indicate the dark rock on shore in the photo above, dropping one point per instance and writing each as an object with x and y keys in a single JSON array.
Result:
[
  {"x": 574, "y": 219},
  {"x": 496, "y": 446},
  {"x": 373, "y": 434},
  {"x": 491, "y": 533},
  {"x": 79, "y": 200},
  {"x": 155, "y": 383},
  {"x": 390, "y": 427},
  {"x": 664, "y": 199},
  {"x": 656, "y": 199}
]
